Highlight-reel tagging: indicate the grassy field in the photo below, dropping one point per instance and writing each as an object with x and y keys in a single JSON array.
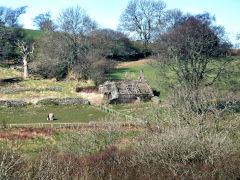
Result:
[
  {"x": 205, "y": 147},
  {"x": 230, "y": 80},
  {"x": 63, "y": 114},
  {"x": 160, "y": 77},
  {"x": 83, "y": 142},
  {"x": 12, "y": 79},
  {"x": 132, "y": 72}
]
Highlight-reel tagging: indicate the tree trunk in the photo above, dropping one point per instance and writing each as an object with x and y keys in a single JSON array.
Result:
[{"x": 25, "y": 66}]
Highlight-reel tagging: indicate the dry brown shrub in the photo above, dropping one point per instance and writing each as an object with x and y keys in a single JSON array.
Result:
[
  {"x": 197, "y": 137},
  {"x": 27, "y": 133}
]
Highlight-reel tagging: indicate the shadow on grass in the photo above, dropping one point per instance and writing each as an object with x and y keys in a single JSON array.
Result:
[
  {"x": 129, "y": 58},
  {"x": 4, "y": 82}
]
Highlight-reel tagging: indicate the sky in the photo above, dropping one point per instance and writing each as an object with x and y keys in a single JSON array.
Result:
[{"x": 107, "y": 12}]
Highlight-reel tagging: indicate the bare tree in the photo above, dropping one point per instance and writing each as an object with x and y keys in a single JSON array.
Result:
[
  {"x": 143, "y": 18},
  {"x": 238, "y": 36},
  {"x": 26, "y": 51},
  {"x": 171, "y": 17},
  {"x": 190, "y": 46},
  {"x": 75, "y": 21},
  {"x": 44, "y": 22},
  {"x": 9, "y": 17},
  {"x": 71, "y": 45},
  {"x": 74, "y": 24}
]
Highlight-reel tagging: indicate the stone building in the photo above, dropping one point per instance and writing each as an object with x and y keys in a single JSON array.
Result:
[{"x": 127, "y": 91}]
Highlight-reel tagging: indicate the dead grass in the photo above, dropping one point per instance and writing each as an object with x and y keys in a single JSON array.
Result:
[
  {"x": 92, "y": 97},
  {"x": 14, "y": 80},
  {"x": 102, "y": 127},
  {"x": 26, "y": 133},
  {"x": 133, "y": 63}
]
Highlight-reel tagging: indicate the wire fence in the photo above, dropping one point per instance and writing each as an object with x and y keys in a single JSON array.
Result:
[
  {"x": 127, "y": 121},
  {"x": 75, "y": 125},
  {"x": 118, "y": 114}
]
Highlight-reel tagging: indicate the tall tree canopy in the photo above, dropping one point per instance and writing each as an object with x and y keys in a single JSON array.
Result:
[
  {"x": 10, "y": 17},
  {"x": 10, "y": 31},
  {"x": 44, "y": 22},
  {"x": 76, "y": 21},
  {"x": 143, "y": 18},
  {"x": 70, "y": 48},
  {"x": 192, "y": 44},
  {"x": 74, "y": 24},
  {"x": 114, "y": 44}
]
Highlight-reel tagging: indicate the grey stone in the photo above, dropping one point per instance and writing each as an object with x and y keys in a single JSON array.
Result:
[
  {"x": 12, "y": 103},
  {"x": 92, "y": 123},
  {"x": 127, "y": 91},
  {"x": 16, "y": 90},
  {"x": 64, "y": 101},
  {"x": 156, "y": 100}
]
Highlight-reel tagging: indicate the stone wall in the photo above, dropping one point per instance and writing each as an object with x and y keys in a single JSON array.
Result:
[
  {"x": 16, "y": 90},
  {"x": 55, "y": 101},
  {"x": 12, "y": 103},
  {"x": 64, "y": 101}
]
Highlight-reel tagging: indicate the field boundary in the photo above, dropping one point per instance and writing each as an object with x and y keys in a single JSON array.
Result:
[
  {"x": 73, "y": 125},
  {"x": 117, "y": 114},
  {"x": 126, "y": 120}
]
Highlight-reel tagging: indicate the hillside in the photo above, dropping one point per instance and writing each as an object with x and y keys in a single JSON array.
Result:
[
  {"x": 33, "y": 34},
  {"x": 168, "y": 136},
  {"x": 159, "y": 79}
]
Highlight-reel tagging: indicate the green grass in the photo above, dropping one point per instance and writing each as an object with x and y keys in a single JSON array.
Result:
[
  {"x": 9, "y": 73},
  {"x": 161, "y": 78},
  {"x": 81, "y": 143},
  {"x": 67, "y": 85},
  {"x": 130, "y": 106},
  {"x": 63, "y": 114},
  {"x": 130, "y": 72},
  {"x": 31, "y": 146},
  {"x": 230, "y": 78},
  {"x": 33, "y": 34},
  {"x": 135, "y": 110},
  {"x": 153, "y": 76}
]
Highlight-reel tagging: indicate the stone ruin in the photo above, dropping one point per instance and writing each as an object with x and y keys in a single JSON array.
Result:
[{"x": 127, "y": 91}]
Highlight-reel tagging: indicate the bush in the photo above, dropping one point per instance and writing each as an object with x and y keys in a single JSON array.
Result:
[
  {"x": 97, "y": 76},
  {"x": 61, "y": 71},
  {"x": 113, "y": 44},
  {"x": 48, "y": 68},
  {"x": 11, "y": 164},
  {"x": 171, "y": 155},
  {"x": 93, "y": 67},
  {"x": 88, "y": 143},
  {"x": 197, "y": 138},
  {"x": 4, "y": 65}
]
